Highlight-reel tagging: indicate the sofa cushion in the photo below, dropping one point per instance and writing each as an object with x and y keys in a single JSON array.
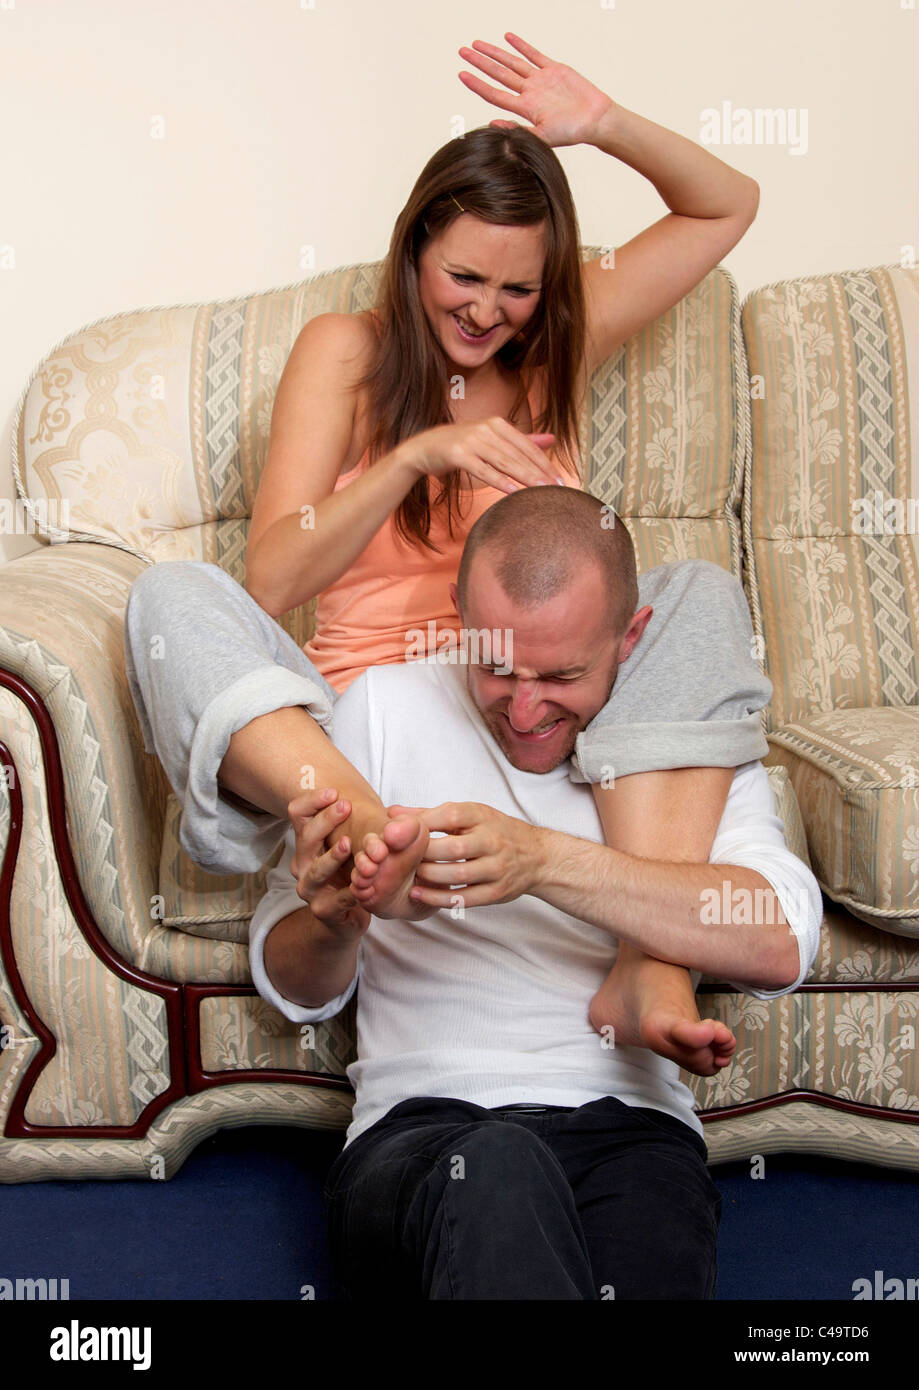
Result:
[
  {"x": 849, "y": 951},
  {"x": 851, "y": 1044},
  {"x": 664, "y": 438},
  {"x": 152, "y": 425},
  {"x": 856, "y": 776},
  {"x": 852, "y": 952},
  {"x": 830, "y": 535},
  {"x": 196, "y": 901}
]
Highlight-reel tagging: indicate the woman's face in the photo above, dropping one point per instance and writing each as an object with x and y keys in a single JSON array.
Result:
[{"x": 477, "y": 278}]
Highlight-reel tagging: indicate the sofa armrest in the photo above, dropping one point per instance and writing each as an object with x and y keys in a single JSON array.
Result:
[{"x": 62, "y": 679}]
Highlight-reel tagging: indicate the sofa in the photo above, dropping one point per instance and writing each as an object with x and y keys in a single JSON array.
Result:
[{"x": 747, "y": 434}]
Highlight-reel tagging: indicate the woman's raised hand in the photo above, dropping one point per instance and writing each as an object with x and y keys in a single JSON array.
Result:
[
  {"x": 563, "y": 108},
  {"x": 492, "y": 450}
]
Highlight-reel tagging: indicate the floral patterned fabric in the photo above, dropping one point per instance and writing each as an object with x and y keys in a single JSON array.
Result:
[{"x": 831, "y": 516}]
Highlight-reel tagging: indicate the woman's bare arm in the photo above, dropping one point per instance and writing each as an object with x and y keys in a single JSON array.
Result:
[
  {"x": 303, "y": 536},
  {"x": 711, "y": 206}
]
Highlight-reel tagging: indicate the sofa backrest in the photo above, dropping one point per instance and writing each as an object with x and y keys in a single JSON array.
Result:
[
  {"x": 152, "y": 426},
  {"x": 832, "y": 489},
  {"x": 667, "y": 429}
]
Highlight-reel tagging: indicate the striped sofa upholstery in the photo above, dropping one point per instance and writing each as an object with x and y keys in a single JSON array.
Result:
[
  {"x": 831, "y": 522},
  {"x": 130, "y": 1027}
]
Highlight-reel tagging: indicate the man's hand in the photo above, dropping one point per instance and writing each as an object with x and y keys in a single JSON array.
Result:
[
  {"x": 501, "y": 856},
  {"x": 323, "y": 876}
]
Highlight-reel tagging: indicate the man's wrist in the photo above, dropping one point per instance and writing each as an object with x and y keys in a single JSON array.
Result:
[
  {"x": 552, "y": 861},
  {"x": 579, "y": 877}
]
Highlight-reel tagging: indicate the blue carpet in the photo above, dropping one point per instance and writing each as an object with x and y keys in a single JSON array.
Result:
[{"x": 243, "y": 1219}]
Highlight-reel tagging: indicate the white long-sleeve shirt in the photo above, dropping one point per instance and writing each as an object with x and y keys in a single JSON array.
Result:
[{"x": 489, "y": 1004}]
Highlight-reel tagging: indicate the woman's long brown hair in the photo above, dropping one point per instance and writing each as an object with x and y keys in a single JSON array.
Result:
[{"x": 508, "y": 177}]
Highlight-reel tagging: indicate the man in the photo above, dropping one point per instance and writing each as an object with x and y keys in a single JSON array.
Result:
[{"x": 499, "y": 1147}]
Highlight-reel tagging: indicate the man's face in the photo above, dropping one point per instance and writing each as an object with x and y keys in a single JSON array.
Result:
[{"x": 564, "y": 661}]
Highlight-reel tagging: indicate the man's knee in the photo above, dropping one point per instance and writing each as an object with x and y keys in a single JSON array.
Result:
[
  {"x": 672, "y": 1240},
  {"x": 500, "y": 1158}
]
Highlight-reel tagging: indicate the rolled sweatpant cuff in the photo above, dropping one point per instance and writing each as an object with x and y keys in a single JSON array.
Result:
[
  {"x": 217, "y": 835},
  {"x": 611, "y": 750}
]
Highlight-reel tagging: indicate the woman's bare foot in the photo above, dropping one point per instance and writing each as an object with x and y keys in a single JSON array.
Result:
[
  {"x": 384, "y": 869},
  {"x": 649, "y": 1003}
]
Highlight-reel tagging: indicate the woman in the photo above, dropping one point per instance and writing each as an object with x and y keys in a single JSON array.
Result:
[{"x": 462, "y": 385}]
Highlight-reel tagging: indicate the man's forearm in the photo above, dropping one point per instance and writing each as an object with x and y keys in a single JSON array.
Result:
[
  {"x": 661, "y": 909},
  {"x": 306, "y": 962}
]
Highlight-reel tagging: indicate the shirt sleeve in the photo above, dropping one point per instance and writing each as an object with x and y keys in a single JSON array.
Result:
[
  {"x": 352, "y": 736},
  {"x": 691, "y": 692},
  {"x": 751, "y": 836}
]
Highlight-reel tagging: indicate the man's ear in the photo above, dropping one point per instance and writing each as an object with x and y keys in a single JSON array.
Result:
[
  {"x": 453, "y": 595},
  {"x": 634, "y": 631}
]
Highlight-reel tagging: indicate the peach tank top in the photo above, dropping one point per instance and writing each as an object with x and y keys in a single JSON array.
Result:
[{"x": 393, "y": 587}]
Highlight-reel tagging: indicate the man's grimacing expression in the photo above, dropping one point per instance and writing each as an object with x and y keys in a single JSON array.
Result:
[
  {"x": 565, "y": 662},
  {"x": 479, "y": 277}
]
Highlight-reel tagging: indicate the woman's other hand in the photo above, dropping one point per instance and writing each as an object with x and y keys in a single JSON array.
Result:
[{"x": 493, "y": 451}]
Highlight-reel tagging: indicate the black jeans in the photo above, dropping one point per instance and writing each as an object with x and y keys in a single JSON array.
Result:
[{"x": 443, "y": 1199}]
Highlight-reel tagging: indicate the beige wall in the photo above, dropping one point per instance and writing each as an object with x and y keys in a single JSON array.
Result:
[{"x": 286, "y": 127}]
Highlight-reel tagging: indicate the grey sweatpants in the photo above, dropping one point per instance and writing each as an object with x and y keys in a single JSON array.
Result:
[{"x": 203, "y": 659}]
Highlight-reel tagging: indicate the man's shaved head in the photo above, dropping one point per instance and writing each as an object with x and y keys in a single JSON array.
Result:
[{"x": 539, "y": 538}]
